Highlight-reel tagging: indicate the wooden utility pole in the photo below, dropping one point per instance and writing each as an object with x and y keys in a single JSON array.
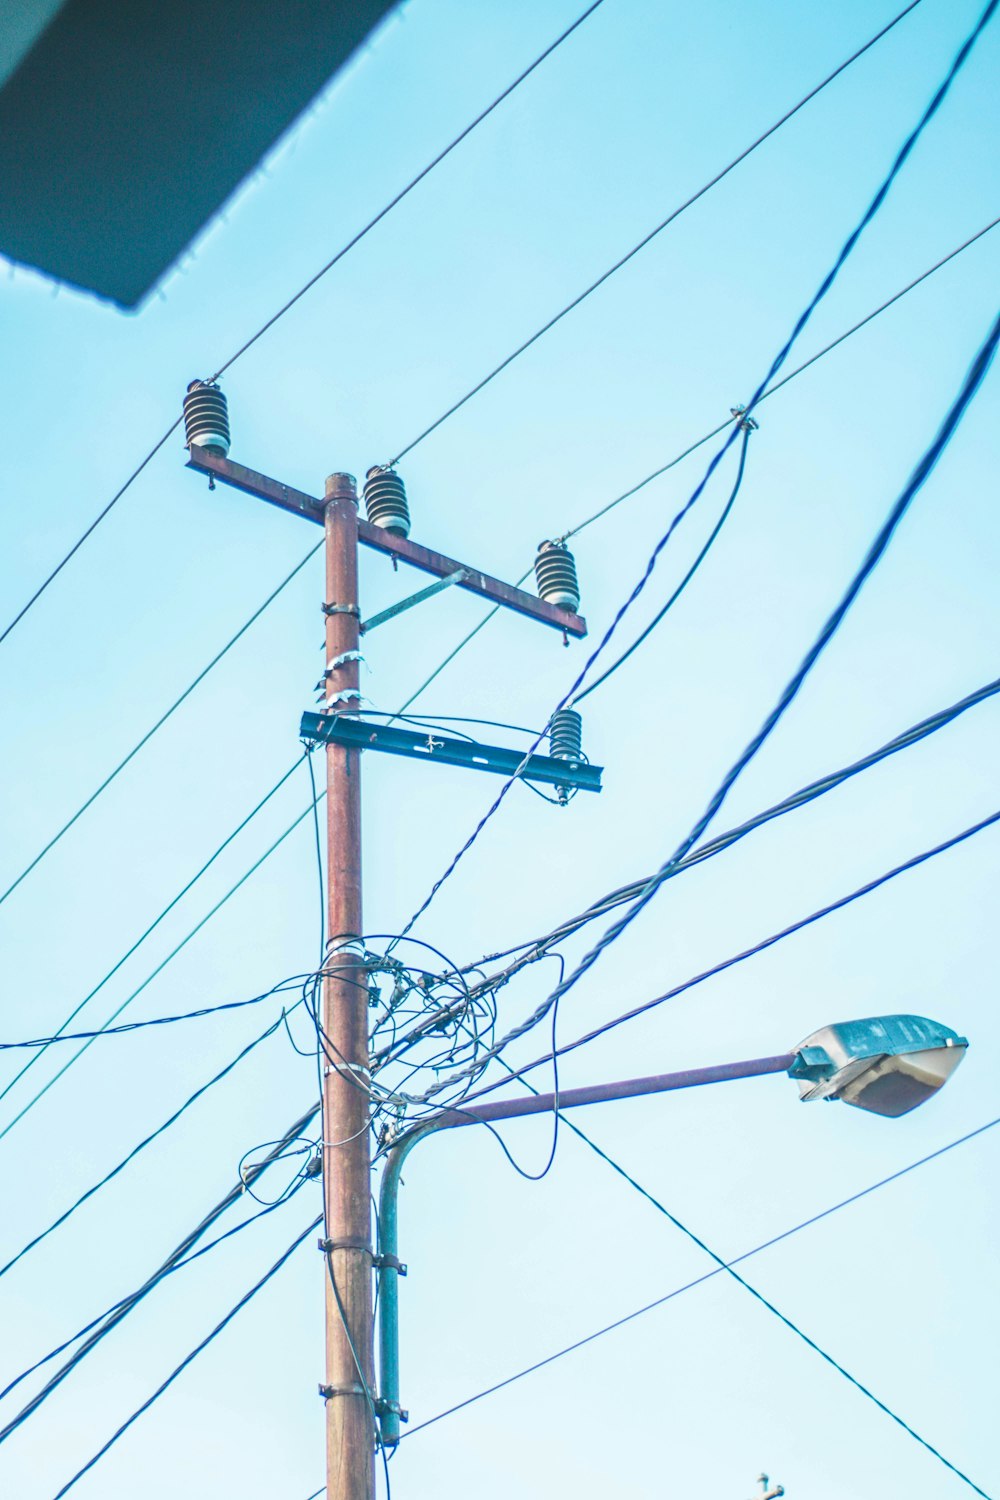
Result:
[
  {"x": 350, "y": 1435},
  {"x": 350, "y": 1393}
]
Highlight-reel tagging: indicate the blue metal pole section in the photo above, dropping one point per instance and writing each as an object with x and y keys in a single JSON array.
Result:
[{"x": 389, "y": 1268}]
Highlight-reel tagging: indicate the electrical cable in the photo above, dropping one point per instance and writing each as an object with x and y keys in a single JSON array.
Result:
[
  {"x": 54, "y": 574},
  {"x": 811, "y": 1343},
  {"x": 178, "y": 1255},
  {"x": 785, "y": 380},
  {"x": 573, "y": 531},
  {"x": 188, "y": 1359},
  {"x": 760, "y": 947},
  {"x": 678, "y": 591},
  {"x": 153, "y": 926},
  {"x": 535, "y": 948},
  {"x": 355, "y": 240},
  {"x": 146, "y": 1141},
  {"x": 923, "y": 470},
  {"x": 921, "y": 473},
  {"x": 727, "y": 1267},
  {"x": 653, "y": 233},
  {"x": 159, "y": 724},
  {"x": 40, "y": 1093},
  {"x": 189, "y": 1015},
  {"x": 178, "y": 1266},
  {"x": 809, "y": 793},
  {"x": 414, "y": 181},
  {"x": 746, "y": 414}
]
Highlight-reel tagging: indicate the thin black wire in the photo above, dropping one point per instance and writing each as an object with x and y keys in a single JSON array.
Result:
[
  {"x": 678, "y": 591},
  {"x": 763, "y": 944},
  {"x": 693, "y": 447},
  {"x": 146, "y": 1141},
  {"x": 188, "y": 1359},
  {"x": 158, "y": 725},
  {"x": 728, "y": 1268},
  {"x": 965, "y": 396},
  {"x": 160, "y": 966},
  {"x": 648, "y": 238},
  {"x": 537, "y": 947},
  {"x": 921, "y": 473},
  {"x": 342, "y": 1311},
  {"x": 923, "y": 470},
  {"x": 151, "y": 929},
  {"x": 779, "y": 384},
  {"x": 126, "y": 1302},
  {"x": 89, "y": 531},
  {"x": 189, "y": 1015},
  {"x": 299, "y": 294},
  {"x": 437, "y": 160},
  {"x": 121, "y": 1309},
  {"x": 809, "y": 793},
  {"x": 597, "y": 515},
  {"x": 698, "y": 1281}
]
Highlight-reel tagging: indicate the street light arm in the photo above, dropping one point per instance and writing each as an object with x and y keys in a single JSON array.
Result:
[{"x": 388, "y": 1265}]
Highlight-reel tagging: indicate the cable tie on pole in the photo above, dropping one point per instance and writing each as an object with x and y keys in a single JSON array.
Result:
[
  {"x": 342, "y": 609},
  {"x": 351, "y": 1242},
  {"x": 342, "y": 660}
]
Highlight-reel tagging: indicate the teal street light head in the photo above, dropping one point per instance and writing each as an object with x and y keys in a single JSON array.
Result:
[{"x": 886, "y": 1064}]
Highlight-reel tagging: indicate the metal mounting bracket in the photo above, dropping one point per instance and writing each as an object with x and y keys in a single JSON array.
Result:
[
  {"x": 363, "y": 735},
  {"x": 459, "y": 576}
]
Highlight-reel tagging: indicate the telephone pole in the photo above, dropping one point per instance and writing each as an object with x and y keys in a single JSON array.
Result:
[
  {"x": 353, "y": 1406},
  {"x": 348, "y": 1392}
]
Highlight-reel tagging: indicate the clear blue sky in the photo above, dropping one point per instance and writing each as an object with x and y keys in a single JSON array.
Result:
[{"x": 631, "y": 115}]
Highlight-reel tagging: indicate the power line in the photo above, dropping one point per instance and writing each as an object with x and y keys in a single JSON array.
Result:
[
  {"x": 189, "y": 1358},
  {"x": 777, "y": 937},
  {"x": 728, "y": 1268},
  {"x": 414, "y": 181},
  {"x": 355, "y": 240},
  {"x": 678, "y": 591},
  {"x": 163, "y": 964},
  {"x": 809, "y": 793},
  {"x": 777, "y": 363},
  {"x": 125, "y": 1302},
  {"x": 738, "y": 958},
  {"x": 159, "y": 724},
  {"x": 921, "y": 473},
  {"x": 179, "y": 1254},
  {"x": 855, "y": 328},
  {"x": 187, "y": 1015},
  {"x": 698, "y": 1281},
  {"x": 136, "y": 1150},
  {"x": 648, "y": 238},
  {"x": 598, "y": 515},
  {"x": 537, "y": 947},
  {"x": 785, "y": 380},
  {"x": 811, "y": 1343}
]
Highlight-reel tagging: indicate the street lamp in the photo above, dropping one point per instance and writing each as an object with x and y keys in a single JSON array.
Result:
[
  {"x": 888, "y": 1065},
  {"x": 885, "y": 1064}
]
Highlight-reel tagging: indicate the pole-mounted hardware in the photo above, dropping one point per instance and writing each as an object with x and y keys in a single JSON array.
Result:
[
  {"x": 344, "y": 731},
  {"x": 381, "y": 540},
  {"x": 339, "y": 729}
]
